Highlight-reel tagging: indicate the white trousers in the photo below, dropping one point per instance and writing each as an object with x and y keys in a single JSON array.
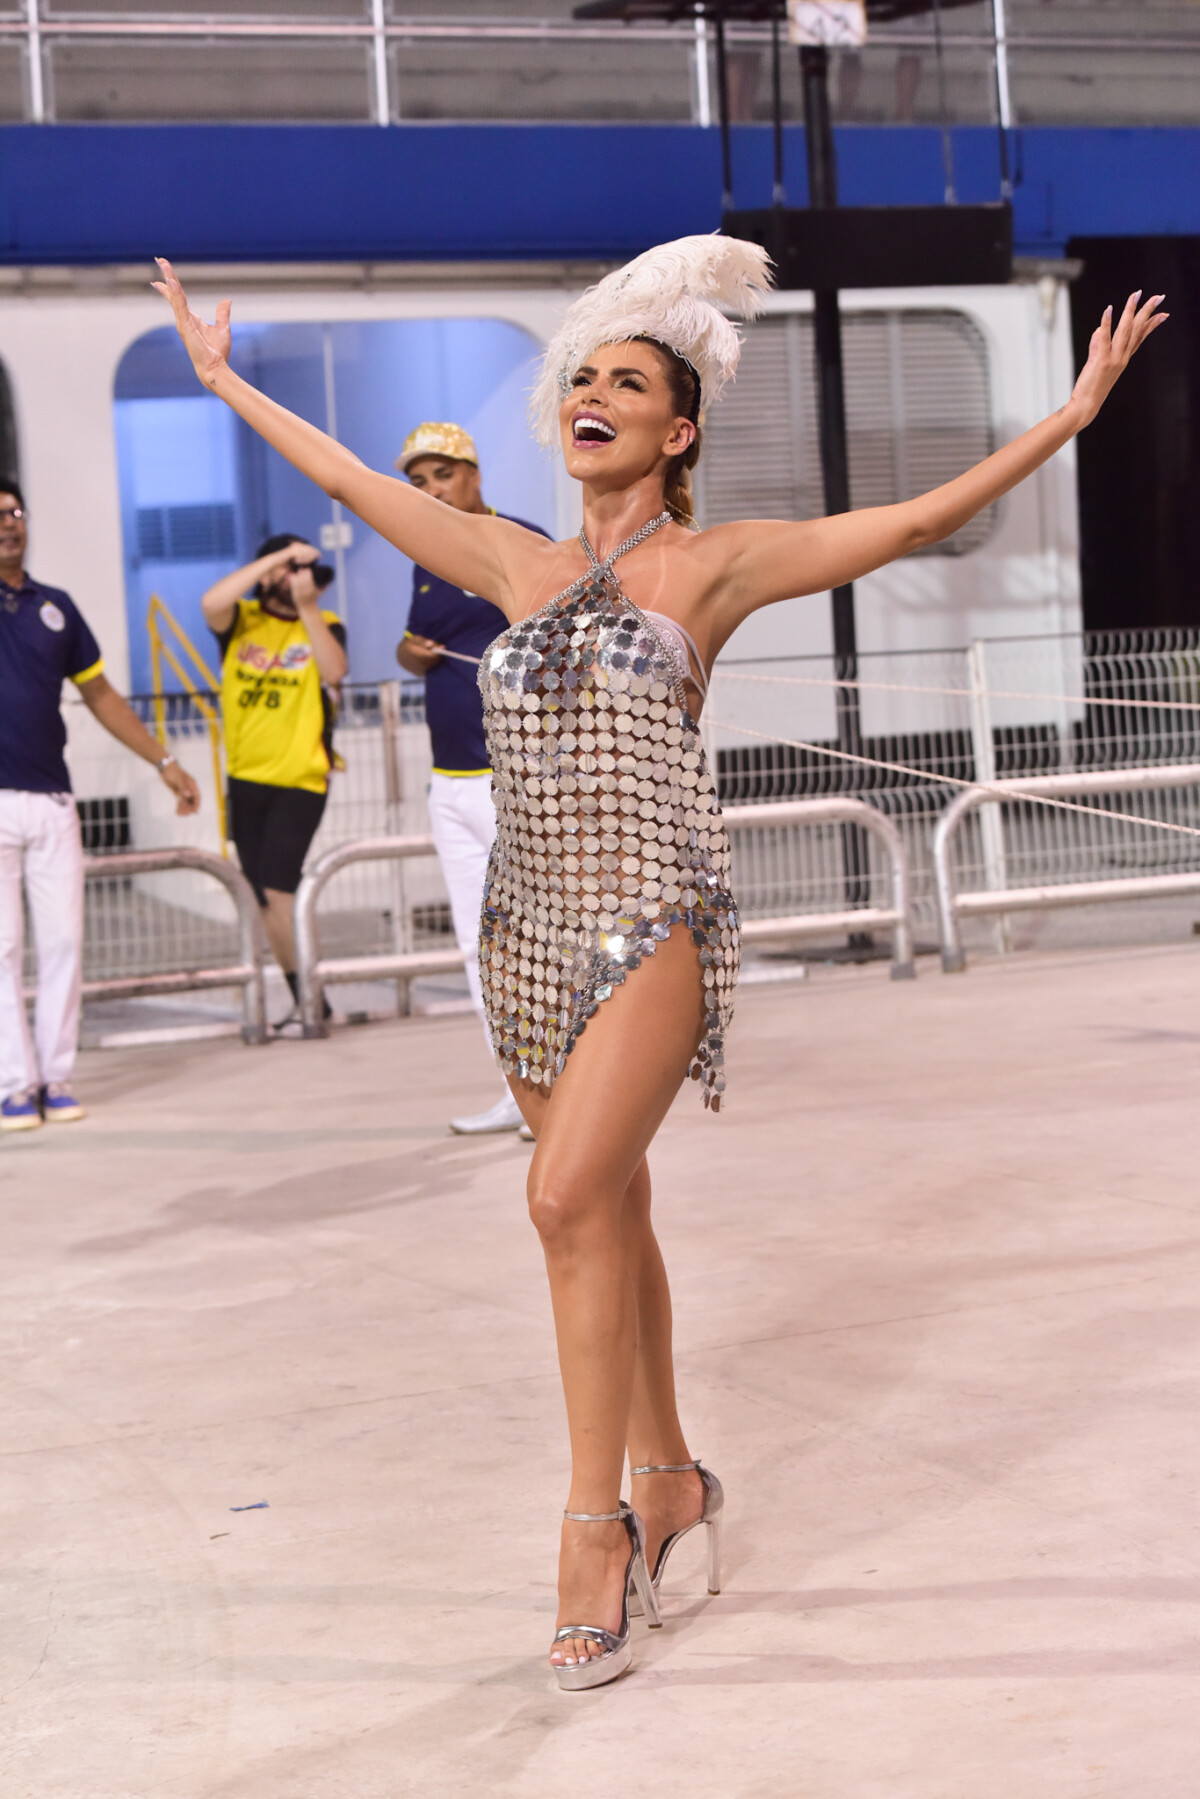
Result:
[
  {"x": 463, "y": 821},
  {"x": 40, "y": 846}
]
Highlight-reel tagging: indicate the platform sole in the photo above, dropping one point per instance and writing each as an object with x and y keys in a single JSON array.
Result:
[{"x": 597, "y": 1671}]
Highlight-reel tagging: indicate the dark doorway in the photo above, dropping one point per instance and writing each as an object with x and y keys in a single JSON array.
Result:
[
  {"x": 1139, "y": 463},
  {"x": 8, "y": 431}
]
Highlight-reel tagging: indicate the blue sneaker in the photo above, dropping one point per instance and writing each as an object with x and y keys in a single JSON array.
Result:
[
  {"x": 59, "y": 1105},
  {"x": 20, "y": 1111}
]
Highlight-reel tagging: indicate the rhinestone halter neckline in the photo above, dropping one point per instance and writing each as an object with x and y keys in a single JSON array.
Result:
[{"x": 595, "y": 566}]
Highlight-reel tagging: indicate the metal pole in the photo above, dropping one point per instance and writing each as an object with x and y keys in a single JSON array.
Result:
[
  {"x": 379, "y": 63},
  {"x": 831, "y": 388},
  {"x": 831, "y": 417},
  {"x": 983, "y": 748},
  {"x": 723, "y": 102},
  {"x": 390, "y": 714},
  {"x": 703, "y": 97},
  {"x": 949, "y": 194},
  {"x": 818, "y": 126},
  {"x": 1003, "y": 95},
  {"x": 778, "y": 193},
  {"x": 37, "y": 91}
]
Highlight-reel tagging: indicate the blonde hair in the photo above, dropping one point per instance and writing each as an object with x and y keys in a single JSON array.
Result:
[{"x": 677, "y": 487}]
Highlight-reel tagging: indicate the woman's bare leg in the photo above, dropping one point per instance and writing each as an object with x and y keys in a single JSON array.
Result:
[{"x": 593, "y": 1134}]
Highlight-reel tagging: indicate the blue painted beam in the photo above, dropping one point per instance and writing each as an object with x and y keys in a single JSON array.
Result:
[{"x": 114, "y": 193}]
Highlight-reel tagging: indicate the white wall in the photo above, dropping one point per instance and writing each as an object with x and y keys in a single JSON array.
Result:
[
  {"x": 61, "y": 350},
  {"x": 1024, "y": 579}
]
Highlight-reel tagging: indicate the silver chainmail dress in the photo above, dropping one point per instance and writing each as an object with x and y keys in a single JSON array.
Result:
[{"x": 608, "y": 829}]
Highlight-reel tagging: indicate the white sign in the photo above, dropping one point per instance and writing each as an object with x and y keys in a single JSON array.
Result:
[
  {"x": 338, "y": 536},
  {"x": 838, "y": 23}
]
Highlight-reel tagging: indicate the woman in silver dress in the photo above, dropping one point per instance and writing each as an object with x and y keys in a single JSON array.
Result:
[{"x": 609, "y": 937}]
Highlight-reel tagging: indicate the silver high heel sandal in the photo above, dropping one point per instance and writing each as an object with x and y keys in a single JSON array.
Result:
[
  {"x": 710, "y": 1517},
  {"x": 598, "y": 1670}
]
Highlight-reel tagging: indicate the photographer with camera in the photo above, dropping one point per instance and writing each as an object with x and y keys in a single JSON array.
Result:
[{"x": 283, "y": 660}]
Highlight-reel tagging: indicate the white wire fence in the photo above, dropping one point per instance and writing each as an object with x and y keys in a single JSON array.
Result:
[
  {"x": 933, "y": 721},
  {"x": 930, "y": 722}
]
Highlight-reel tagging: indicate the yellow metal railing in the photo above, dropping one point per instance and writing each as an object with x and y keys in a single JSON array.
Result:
[{"x": 169, "y": 642}]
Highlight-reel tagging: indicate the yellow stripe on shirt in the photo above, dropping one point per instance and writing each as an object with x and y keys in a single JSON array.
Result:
[{"x": 89, "y": 674}]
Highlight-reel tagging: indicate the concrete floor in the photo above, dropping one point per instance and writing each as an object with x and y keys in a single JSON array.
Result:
[{"x": 936, "y": 1273}]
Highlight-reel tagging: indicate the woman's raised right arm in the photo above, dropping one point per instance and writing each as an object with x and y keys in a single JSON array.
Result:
[{"x": 475, "y": 552}]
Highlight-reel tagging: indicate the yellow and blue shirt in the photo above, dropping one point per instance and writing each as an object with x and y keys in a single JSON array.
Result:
[
  {"x": 44, "y": 641},
  {"x": 278, "y": 718}
]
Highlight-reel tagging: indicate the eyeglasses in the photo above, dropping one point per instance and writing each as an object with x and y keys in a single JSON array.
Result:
[{"x": 15, "y": 513}]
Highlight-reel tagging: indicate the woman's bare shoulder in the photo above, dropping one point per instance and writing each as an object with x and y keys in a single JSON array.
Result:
[
  {"x": 542, "y": 570},
  {"x": 704, "y": 556},
  {"x": 727, "y": 538},
  {"x": 714, "y": 547}
]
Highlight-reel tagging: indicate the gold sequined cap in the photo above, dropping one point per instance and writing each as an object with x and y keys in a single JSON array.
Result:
[{"x": 435, "y": 439}]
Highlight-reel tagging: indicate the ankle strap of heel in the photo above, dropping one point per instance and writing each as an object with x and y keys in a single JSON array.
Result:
[
  {"x": 594, "y": 1517},
  {"x": 666, "y": 1468}
]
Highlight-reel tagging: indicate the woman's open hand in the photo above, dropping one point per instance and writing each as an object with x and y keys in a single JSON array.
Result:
[
  {"x": 207, "y": 345},
  {"x": 1110, "y": 351}
]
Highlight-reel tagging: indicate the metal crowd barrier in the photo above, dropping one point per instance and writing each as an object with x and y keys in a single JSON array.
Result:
[
  {"x": 247, "y": 973},
  {"x": 952, "y": 906},
  {"x": 896, "y": 918},
  {"x": 314, "y": 973}
]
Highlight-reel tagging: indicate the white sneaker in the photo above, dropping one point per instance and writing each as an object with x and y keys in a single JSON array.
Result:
[{"x": 505, "y": 1115}]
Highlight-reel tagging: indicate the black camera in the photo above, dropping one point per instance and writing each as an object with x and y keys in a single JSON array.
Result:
[{"x": 323, "y": 576}]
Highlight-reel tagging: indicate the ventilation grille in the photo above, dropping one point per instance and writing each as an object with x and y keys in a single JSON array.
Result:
[
  {"x": 104, "y": 824},
  {"x": 918, "y": 413},
  {"x": 186, "y": 533}
]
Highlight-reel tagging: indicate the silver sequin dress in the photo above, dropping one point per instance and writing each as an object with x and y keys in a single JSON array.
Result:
[{"x": 608, "y": 829}]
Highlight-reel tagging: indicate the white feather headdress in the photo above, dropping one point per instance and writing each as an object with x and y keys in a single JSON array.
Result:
[{"x": 673, "y": 294}]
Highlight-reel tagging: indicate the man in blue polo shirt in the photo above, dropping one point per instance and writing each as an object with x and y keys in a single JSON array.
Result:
[
  {"x": 45, "y": 641},
  {"x": 448, "y": 631}
]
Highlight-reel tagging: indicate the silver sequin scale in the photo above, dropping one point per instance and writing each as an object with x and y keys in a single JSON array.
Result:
[{"x": 608, "y": 829}]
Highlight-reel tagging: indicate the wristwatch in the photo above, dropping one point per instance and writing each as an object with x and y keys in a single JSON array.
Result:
[{"x": 165, "y": 763}]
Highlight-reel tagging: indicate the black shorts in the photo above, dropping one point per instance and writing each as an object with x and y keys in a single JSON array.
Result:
[{"x": 272, "y": 828}]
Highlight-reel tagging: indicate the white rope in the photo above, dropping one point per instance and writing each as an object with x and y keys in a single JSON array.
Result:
[
  {"x": 1005, "y": 792},
  {"x": 965, "y": 693},
  {"x": 924, "y": 774}
]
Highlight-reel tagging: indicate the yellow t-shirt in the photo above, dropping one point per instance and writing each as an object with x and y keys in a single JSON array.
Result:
[{"x": 277, "y": 717}]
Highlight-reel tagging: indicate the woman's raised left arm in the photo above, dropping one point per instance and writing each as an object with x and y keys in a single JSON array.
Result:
[
  {"x": 472, "y": 550},
  {"x": 769, "y": 561}
]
